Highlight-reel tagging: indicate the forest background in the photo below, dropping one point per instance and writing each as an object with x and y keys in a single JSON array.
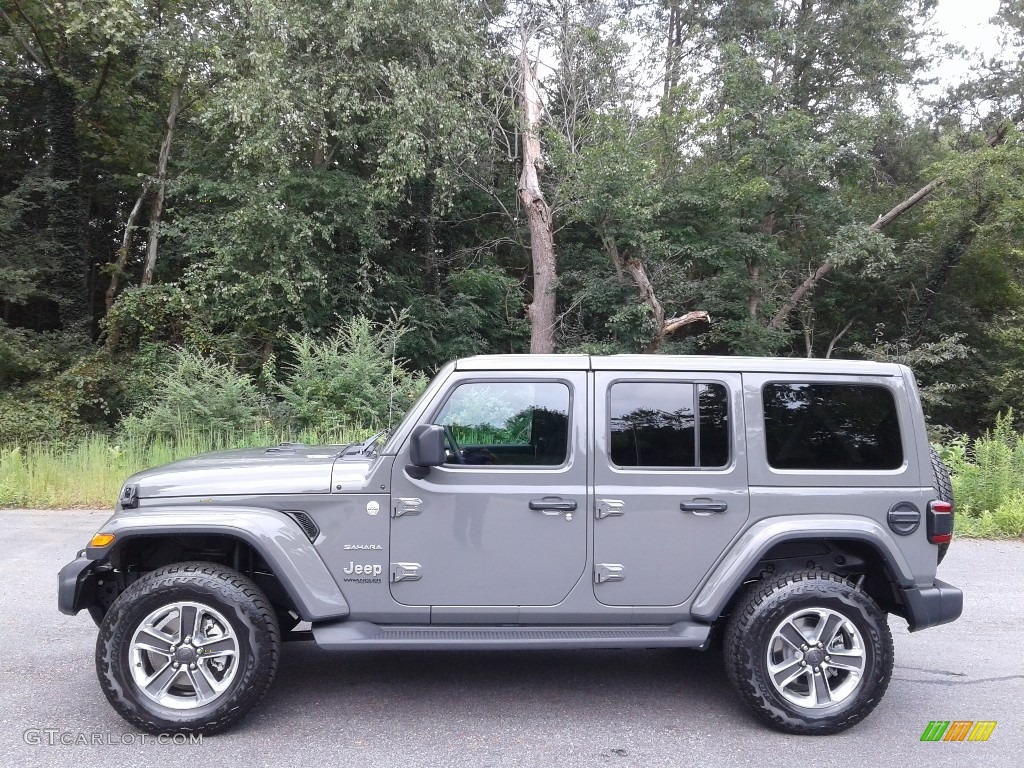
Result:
[{"x": 228, "y": 222}]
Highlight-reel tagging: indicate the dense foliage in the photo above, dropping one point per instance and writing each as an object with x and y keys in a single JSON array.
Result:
[
  {"x": 278, "y": 215},
  {"x": 988, "y": 481}
]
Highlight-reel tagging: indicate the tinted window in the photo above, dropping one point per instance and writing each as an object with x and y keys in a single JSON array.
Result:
[
  {"x": 831, "y": 426},
  {"x": 714, "y": 425},
  {"x": 507, "y": 423},
  {"x": 668, "y": 424}
]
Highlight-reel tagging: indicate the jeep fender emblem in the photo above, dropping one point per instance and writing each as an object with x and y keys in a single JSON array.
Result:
[{"x": 368, "y": 569}]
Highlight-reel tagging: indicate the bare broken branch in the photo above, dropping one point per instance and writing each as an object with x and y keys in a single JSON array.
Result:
[
  {"x": 805, "y": 288},
  {"x": 638, "y": 272}
]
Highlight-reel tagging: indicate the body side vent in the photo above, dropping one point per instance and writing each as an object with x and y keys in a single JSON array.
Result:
[{"x": 306, "y": 523}]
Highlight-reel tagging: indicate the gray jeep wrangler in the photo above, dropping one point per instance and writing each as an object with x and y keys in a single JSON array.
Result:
[{"x": 782, "y": 507}]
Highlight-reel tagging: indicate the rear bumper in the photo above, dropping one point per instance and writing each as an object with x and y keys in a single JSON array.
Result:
[
  {"x": 926, "y": 607},
  {"x": 76, "y": 584}
]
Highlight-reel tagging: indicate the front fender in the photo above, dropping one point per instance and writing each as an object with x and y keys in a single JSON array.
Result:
[
  {"x": 275, "y": 536},
  {"x": 749, "y": 548}
]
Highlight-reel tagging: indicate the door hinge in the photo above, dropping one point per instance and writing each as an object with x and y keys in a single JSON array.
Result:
[
  {"x": 407, "y": 506},
  {"x": 604, "y": 572},
  {"x": 609, "y": 508},
  {"x": 405, "y": 572}
]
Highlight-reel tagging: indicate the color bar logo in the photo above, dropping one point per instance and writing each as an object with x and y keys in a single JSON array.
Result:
[{"x": 958, "y": 730}]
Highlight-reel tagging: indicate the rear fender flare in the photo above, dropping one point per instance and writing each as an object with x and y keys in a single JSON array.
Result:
[{"x": 727, "y": 576}]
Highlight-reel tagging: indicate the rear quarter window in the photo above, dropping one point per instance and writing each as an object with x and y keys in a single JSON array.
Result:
[{"x": 831, "y": 426}]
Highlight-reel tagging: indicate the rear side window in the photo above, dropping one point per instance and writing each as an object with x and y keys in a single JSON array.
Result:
[
  {"x": 831, "y": 426},
  {"x": 669, "y": 424}
]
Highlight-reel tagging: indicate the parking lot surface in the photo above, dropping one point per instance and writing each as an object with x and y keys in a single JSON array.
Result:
[{"x": 565, "y": 708}]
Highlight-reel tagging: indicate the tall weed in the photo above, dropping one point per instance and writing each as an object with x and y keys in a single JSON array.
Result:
[
  {"x": 198, "y": 394},
  {"x": 988, "y": 481},
  {"x": 353, "y": 377}
]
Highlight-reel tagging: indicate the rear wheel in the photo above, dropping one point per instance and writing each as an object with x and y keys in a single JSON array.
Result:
[
  {"x": 809, "y": 652},
  {"x": 188, "y": 648}
]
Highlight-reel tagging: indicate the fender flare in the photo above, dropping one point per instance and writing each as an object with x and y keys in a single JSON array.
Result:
[
  {"x": 750, "y": 547},
  {"x": 275, "y": 536}
]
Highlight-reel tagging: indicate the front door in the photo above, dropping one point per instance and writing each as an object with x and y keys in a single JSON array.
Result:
[
  {"x": 670, "y": 482},
  {"x": 503, "y": 522}
]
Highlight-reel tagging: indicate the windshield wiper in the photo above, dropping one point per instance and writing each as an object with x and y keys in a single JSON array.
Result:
[{"x": 366, "y": 445}]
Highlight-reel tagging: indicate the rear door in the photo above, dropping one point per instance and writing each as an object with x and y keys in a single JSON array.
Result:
[{"x": 670, "y": 482}]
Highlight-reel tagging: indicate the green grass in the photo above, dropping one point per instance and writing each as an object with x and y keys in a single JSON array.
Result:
[{"x": 90, "y": 472}]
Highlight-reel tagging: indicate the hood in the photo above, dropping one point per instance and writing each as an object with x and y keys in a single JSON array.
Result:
[{"x": 283, "y": 469}]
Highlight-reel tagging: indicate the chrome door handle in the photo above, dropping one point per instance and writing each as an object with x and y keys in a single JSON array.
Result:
[
  {"x": 703, "y": 506},
  {"x": 553, "y": 505}
]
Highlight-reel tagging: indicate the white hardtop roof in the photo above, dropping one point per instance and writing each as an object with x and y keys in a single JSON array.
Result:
[{"x": 720, "y": 363}]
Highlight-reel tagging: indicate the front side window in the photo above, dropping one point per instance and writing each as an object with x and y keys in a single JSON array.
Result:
[
  {"x": 831, "y": 426},
  {"x": 507, "y": 423},
  {"x": 669, "y": 424}
]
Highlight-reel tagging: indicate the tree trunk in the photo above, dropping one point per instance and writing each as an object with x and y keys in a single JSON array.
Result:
[
  {"x": 126, "y": 246},
  {"x": 40, "y": 58},
  {"x": 427, "y": 236},
  {"x": 805, "y": 288},
  {"x": 541, "y": 311},
  {"x": 672, "y": 43},
  {"x": 663, "y": 327},
  {"x": 636, "y": 270},
  {"x": 157, "y": 205},
  {"x": 613, "y": 255},
  {"x": 66, "y": 219},
  {"x": 754, "y": 294}
]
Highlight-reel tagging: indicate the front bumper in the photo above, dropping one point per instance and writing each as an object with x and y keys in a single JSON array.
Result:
[
  {"x": 925, "y": 607},
  {"x": 76, "y": 585}
]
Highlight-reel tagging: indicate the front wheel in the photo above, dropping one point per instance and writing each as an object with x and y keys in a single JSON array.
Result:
[
  {"x": 809, "y": 652},
  {"x": 188, "y": 648}
]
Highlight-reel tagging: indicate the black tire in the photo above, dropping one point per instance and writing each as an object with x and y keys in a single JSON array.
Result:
[
  {"x": 944, "y": 487},
  {"x": 219, "y": 593},
  {"x": 751, "y": 637}
]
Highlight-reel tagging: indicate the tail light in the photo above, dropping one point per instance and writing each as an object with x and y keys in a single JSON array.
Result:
[{"x": 940, "y": 522}]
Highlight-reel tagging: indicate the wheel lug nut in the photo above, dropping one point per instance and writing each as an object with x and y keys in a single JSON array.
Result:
[
  {"x": 828, "y": 658},
  {"x": 191, "y": 666},
  {"x": 175, "y": 665}
]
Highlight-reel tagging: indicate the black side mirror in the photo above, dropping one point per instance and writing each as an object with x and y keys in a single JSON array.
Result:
[{"x": 426, "y": 450}]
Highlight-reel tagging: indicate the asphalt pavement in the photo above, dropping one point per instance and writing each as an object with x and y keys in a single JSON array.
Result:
[{"x": 545, "y": 709}]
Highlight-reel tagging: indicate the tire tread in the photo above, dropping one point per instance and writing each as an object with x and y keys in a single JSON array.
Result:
[
  {"x": 235, "y": 589},
  {"x": 744, "y": 675}
]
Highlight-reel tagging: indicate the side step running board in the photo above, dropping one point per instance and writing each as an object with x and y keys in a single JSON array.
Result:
[{"x": 354, "y": 635}]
